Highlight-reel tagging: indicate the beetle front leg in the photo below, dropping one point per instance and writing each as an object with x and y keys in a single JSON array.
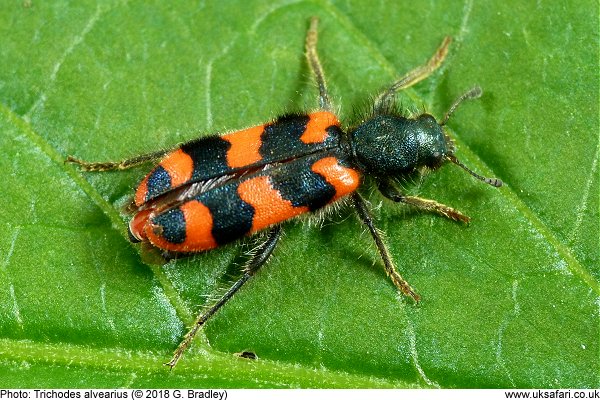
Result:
[
  {"x": 416, "y": 75},
  {"x": 389, "y": 190}
]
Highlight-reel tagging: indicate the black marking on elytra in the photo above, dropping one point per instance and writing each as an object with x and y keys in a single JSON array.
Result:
[
  {"x": 172, "y": 225},
  {"x": 296, "y": 182},
  {"x": 209, "y": 155},
  {"x": 281, "y": 138},
  {"x": 232, "y": 217},
  {"x": 158, "y": 182},
  {"x": 334, "y": 131}
]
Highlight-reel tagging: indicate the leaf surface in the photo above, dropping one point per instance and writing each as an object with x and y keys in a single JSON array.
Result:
[{"x": 509, "y": 301}]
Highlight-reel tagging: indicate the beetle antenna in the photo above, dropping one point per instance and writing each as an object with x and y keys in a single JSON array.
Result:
[
  {"x": 473, "y": 93},
  {"x": 495, "y": 182}
]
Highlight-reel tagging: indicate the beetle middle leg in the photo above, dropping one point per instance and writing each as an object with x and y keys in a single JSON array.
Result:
[
  {"x": 315, "y": 64},
  {"x": 261, "y": 255},
  {"x": 390, "y": 268}
]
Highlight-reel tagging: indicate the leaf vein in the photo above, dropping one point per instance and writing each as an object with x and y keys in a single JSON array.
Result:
[
  {"x": 77, "y": 40},
  {"x": 415, "y": 355},
  {"x": 583, "y": 206}
]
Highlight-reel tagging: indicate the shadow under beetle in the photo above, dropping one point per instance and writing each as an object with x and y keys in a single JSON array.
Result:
[{"x": 216, "y": 189}]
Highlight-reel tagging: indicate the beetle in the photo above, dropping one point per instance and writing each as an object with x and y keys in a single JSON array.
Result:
[{"x": 217, "y": 189}]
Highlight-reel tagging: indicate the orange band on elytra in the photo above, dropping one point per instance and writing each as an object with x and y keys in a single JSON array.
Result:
[
  {"x": 180, "y": 167},
  {"x": 142, "y": 190},
  {"x": 245, "y": 146},
  {"x": 199, "y": 224},
  {"x": 316, "y": 129},
  {"x": 198, "y": 230},
  {"x": 269, "y": 207},
  {"x": 345, "y": 180}
]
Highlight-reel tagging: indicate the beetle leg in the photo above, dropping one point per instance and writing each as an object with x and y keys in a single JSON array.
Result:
[
  {"x": 261, "y": 255},
  {"x": 387, "y": 188},
  {"x": 117, "y": 165},
  {"x": 416, "y": 75},
  {"x": 390, "y": 269},
  {"x": 315, "y": 64}
]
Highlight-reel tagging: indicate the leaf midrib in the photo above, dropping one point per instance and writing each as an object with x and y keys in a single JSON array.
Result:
[{"x": 209, "y": 363}]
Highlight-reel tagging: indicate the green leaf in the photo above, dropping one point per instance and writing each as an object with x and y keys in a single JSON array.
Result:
[{"x": 509, "y": 301}]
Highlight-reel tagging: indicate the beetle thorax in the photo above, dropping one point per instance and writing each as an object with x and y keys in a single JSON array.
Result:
[{"x": 395, "y": 145}]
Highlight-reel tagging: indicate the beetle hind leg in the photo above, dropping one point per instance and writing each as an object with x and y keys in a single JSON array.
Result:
[
  {"x": 258, "y": 259},
  {"x": 117, "y": 165}
]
